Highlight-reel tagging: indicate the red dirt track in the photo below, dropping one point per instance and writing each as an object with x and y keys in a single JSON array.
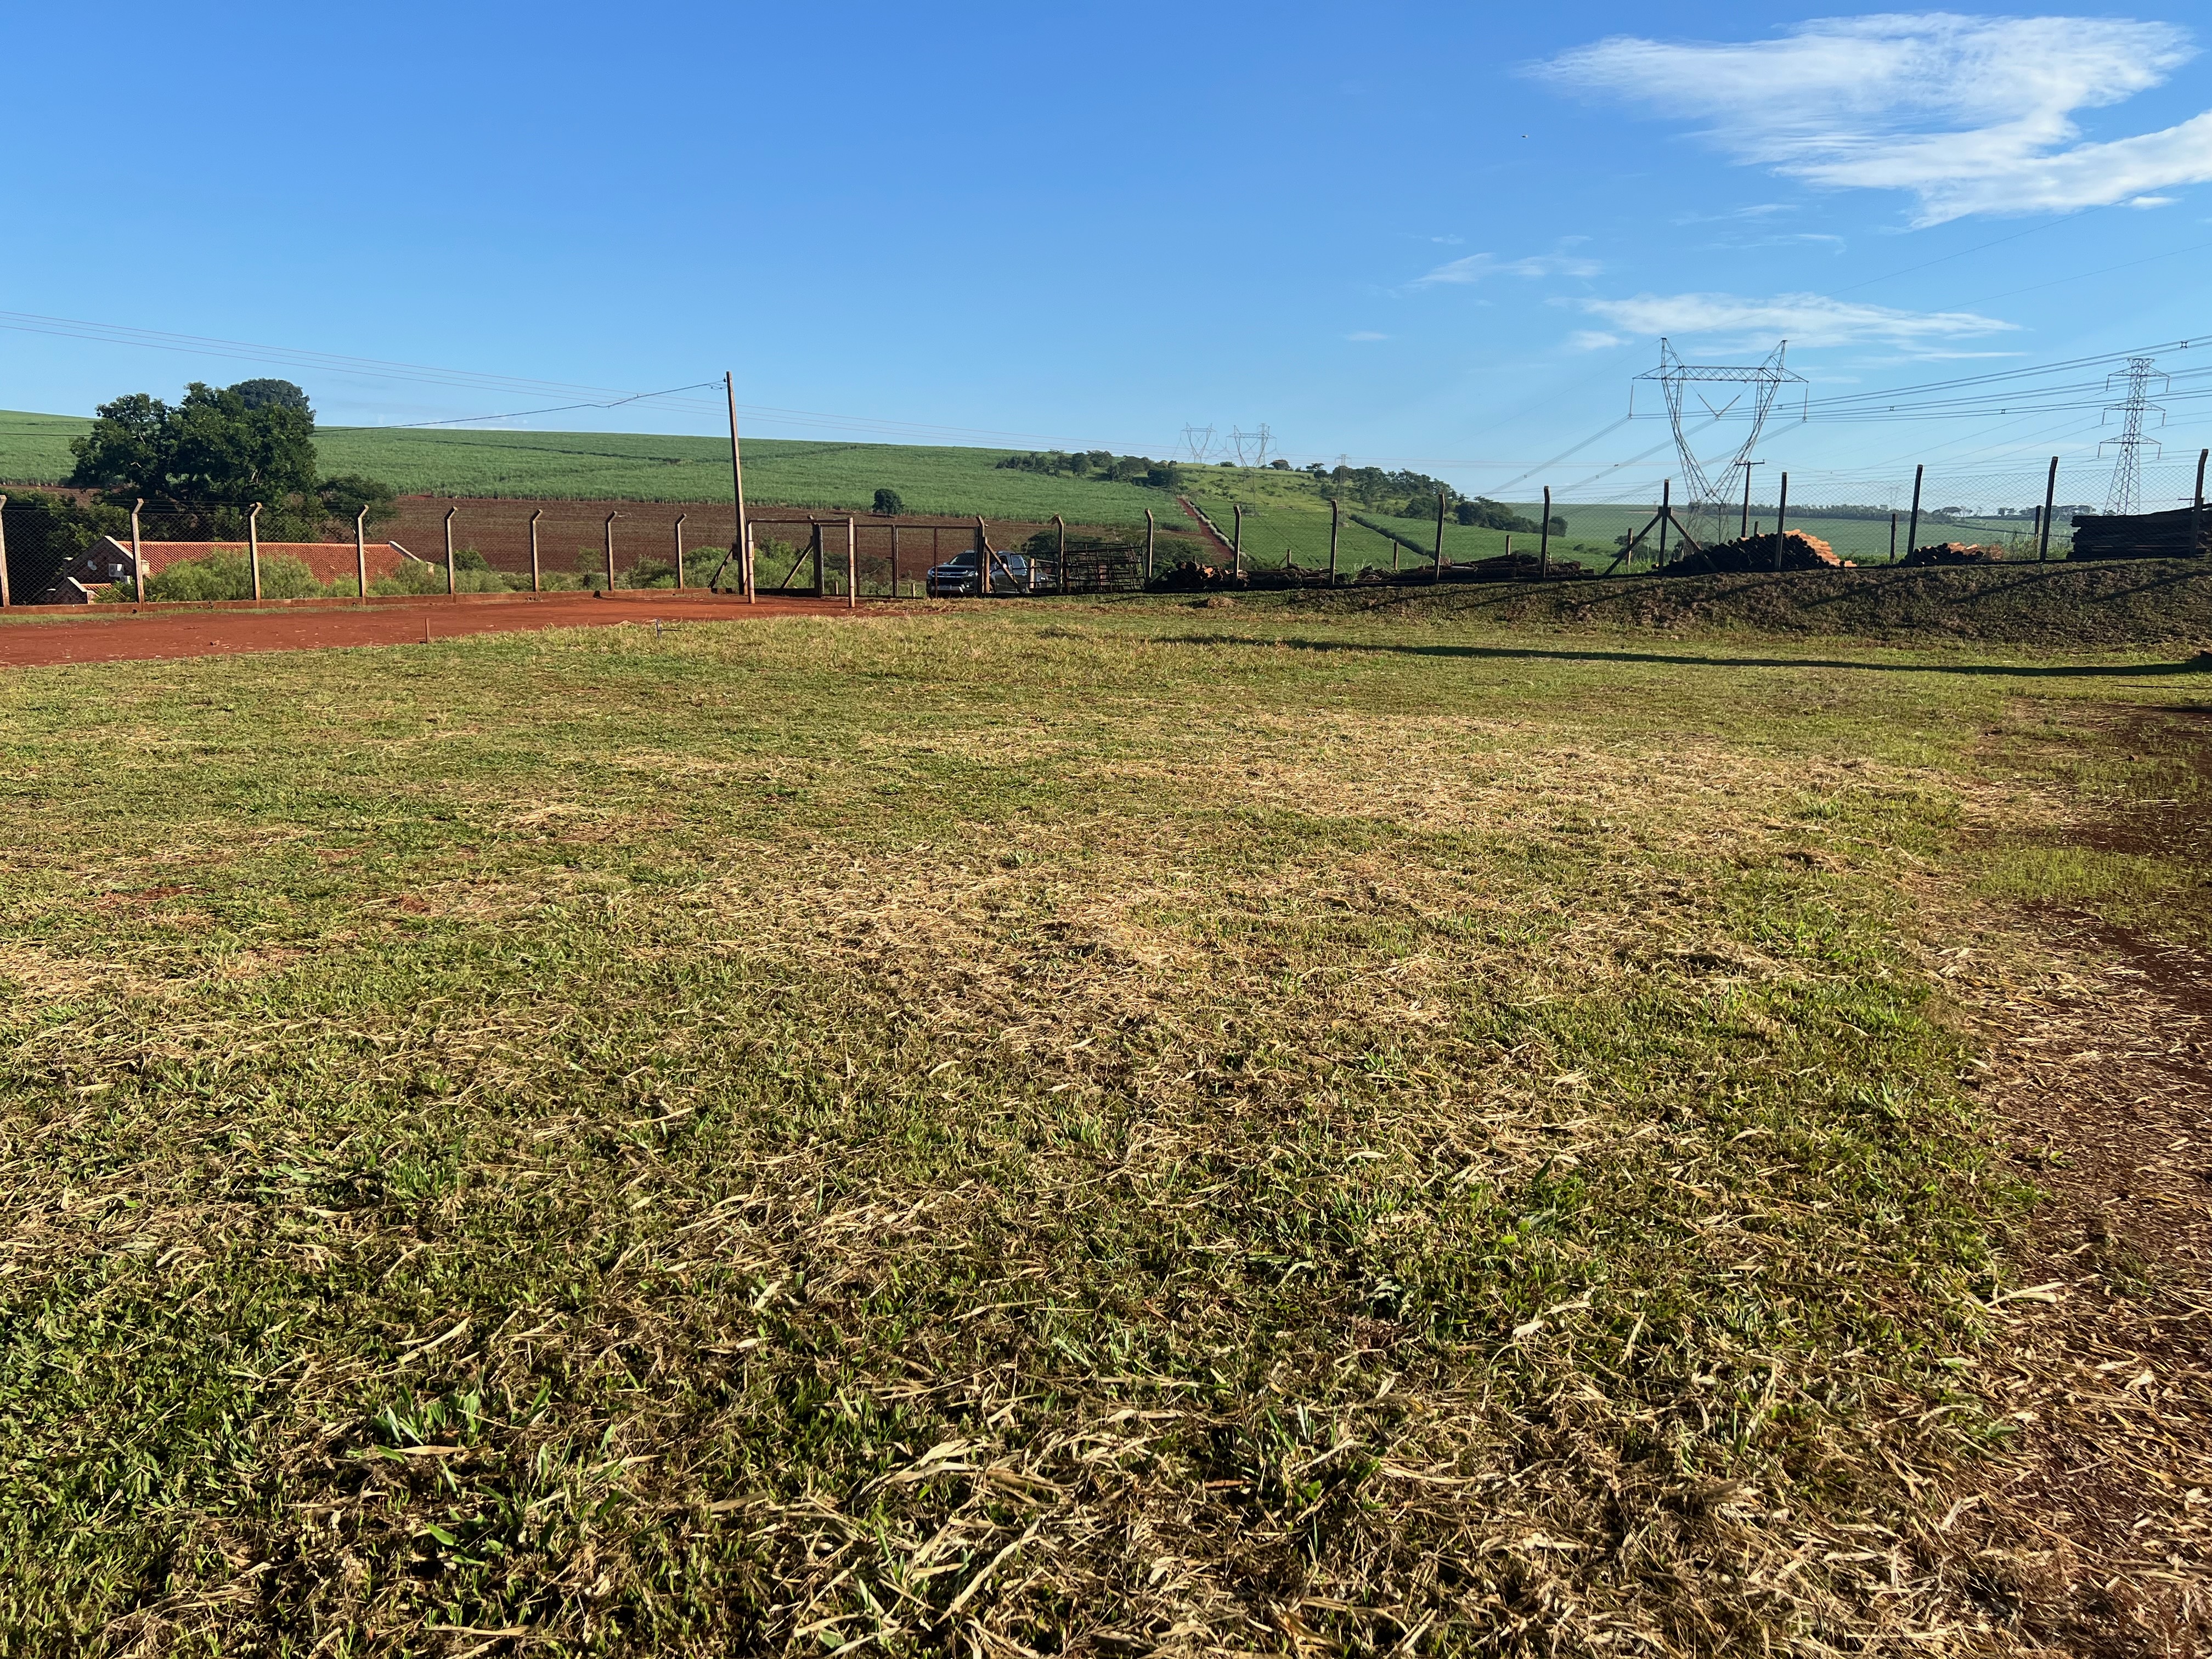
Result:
[{"x": 37, "y": 637}]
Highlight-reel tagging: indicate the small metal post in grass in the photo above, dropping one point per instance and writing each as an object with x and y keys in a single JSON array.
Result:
[
  {"x": 1544, "y": 541},
  {"x": 253, "y": 546},
  {"x": 1912, "y": 524},
  {"x": 449, "y": 548},
  {"x": 609, "y": 534},
  {"x": 852, "y": 565},
  {"x": 5, "y": 601},
  {"x": 361, "y": 551},
  {"x": 1236, "y": 546},
  {"x": 679, "y": 549},
  {"x": 1781, "y": 518},
  {"x": 1437, "y": 564},
  {"x": 1335, "y": 524},
  {"x": 536, "y": 580},
  {"x": 137, "y": 552},
  {"x": 2050, "y": 496},
  {"x": 1149, "y": 528}
]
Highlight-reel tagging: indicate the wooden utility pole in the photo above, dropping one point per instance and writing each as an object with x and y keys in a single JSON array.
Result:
[
  {"x": 608, "y": 531},
  {"x": 852, "y": 565},
  {"x": 253, "y": 546},
  {"x": 1781, "y": 518},
  {"x": 1913, "y": 527},
  {"x": 679, "y": 549},
  {"x": 1335, "y": 524},
  {"x": 449, "y": 553},
  {"x": 5, "y": 599},
  {"x": 742, "y": 548},
  {"x": 2050, "y": 498},
  {"x": 137, "y": 553},
  {"x": 1437, "y": 564},
  {"x": 537, "y": 581},
  {"x": 360, "y": 552},
  {"x": 1544, "y": 541}
]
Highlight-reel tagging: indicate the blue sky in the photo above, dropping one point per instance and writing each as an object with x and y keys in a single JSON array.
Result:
[{"x": 1442, "y": 236}]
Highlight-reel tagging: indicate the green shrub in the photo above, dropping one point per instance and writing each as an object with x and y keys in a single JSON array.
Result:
[
  {"x": 646, "y": 573},
  {"x": 413, "y": 576},
  {"x": 225, "y": 574},
  {"x": 888, "y": 503}
]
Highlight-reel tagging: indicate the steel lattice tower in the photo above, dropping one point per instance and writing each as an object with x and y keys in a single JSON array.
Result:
[
  {"x": 1765, "y": 379},
  {"x": 2126, "y": 493}
]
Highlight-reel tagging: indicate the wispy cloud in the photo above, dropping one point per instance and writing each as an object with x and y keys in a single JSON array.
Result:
[
  {"x": 1803, "y": 319},
  {"x": 1366, "y": 334},
  {"x": 1477, "y": 266},
  {"x": 1970, "y": 114},
  {"x": 1590, "y": 339}
]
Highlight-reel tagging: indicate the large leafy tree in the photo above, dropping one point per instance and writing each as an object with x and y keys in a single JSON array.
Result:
[{"x": 217, "y": 451}]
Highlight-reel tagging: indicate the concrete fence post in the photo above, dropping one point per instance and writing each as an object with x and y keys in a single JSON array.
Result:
[
  {"x": 1058, "y": 556},
  {"x": 2196, "y": 512},
  {"x": 1912, "y": 524},
  {"x": 253, "y": 546},
  {"x": 537, "y": 581},
  {"x": 1149, "y": 529},
  {"x": 679, "y": 549},
  {"x": 2050, "y": 500},
  {"x": 5, "y": 599},
  {"x": 1781, "y": 516},
  {"x": 852, "y": 565},
  {"x": 137, "y": 553},
  {"x": 1544, "y": 540},
  {"x": 609, "y": 534},
  {"x": 1436, "y": 570},
  {"x": 1236, "y": 546},
  {"x": 1335, "y": 527},
  {"x": 361, "y": 550},
  {"x": 449, "y": 548}
]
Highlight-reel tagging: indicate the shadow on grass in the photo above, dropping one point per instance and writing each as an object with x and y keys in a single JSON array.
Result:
[{"x": 1511, "y": 653}]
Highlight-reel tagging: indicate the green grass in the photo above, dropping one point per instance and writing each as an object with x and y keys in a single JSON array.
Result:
[
  {"x": 590, "y": 465},
  {"x": 1089, "y": 1128}
]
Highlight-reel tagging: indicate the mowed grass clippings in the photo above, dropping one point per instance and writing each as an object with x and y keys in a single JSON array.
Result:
[{"x": 987, "y": 1135}]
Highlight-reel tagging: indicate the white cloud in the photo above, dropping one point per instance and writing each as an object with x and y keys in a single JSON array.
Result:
[
  {"x": 1366, "y": 334},
  {"x": 1803, "y": 319},
  {"x": 1476, "y": 266},
  {"x": 1589, "y": 339},
  {"x": 1970, "y": 114}
]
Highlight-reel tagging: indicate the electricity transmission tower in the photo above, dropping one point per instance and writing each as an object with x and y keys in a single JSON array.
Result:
[
  {"x": 1259, "y": 442},
  {"x": 1198, "y": 441},
  {"x": 2126, "y": 493},
  {"x": 1762, "y": 380}
]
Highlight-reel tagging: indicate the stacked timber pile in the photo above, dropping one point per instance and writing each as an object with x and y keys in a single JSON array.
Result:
[
  {"x": 1514, "y": 567},
  {"x": 1189, "y": 577},
  {"x": 1799, "y": 552},
  {"x": 1954, "y": 553},
  {"x": 2141, "y": 535}
]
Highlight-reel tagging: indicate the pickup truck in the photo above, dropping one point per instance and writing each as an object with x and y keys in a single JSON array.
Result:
[{"x": 1011, "y": 573}]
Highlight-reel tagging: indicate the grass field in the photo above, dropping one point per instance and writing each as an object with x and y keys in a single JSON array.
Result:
[{"x": 1101, "y": 1130}]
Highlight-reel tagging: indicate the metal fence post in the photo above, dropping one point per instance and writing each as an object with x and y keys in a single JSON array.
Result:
[
  {"x": 1335, "y": 525},
  {"x": 1781, "y": 517},
  {"x": 2196, "y": 512},
  {"x": 253, "y": 546},
  {"x": 361, "y": 550},
  {"x": 449, "y": 548},
  {"x": 536, "y": 584},
  {"x": 609, "y": 534},
  {"x": 2050, "y": 496},
  {"x": 852, "y": 565},
  {"x": 5, "y": 601},
  {"x": 137, "y": 553},
  {"x": 1544, "y": 541},
  {"x": 1912, "y": 528},
  {"x": 679, "y": 549}
]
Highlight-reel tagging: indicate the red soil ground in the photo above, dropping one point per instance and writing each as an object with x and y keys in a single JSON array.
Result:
[{"x": 124, "y": 632}]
